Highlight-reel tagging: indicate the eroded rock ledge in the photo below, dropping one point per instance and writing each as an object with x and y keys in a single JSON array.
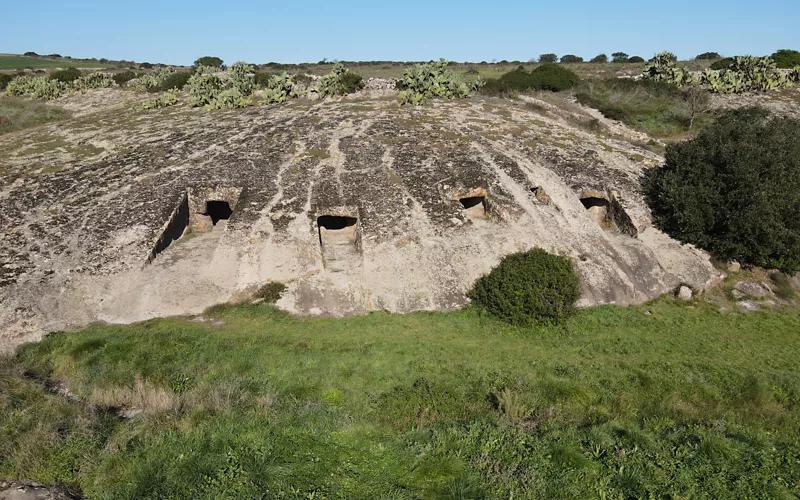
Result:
[{"x": 121, "y": 215}]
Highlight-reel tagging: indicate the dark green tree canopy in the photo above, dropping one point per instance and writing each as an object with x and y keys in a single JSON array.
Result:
[
  {"x": 209, "y": 61},
  {"x": 734, "y": 190}
]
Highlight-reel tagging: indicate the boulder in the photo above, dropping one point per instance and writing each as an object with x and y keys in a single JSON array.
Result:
[
  {"x": 752, "y": 289},
  {"x": 685, "y": 293},
  {"x": 31, "y": 490}
]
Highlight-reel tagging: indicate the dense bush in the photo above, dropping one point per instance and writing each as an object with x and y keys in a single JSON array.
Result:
[
  {"x": 152, "y": 81},
  {"x": 570, "y": 59},
  {"x": 217, "y": 89},
  {"x": 340, "y": 81},
  {"x": 600, "y": 58},
  {"x": 545, "y": 77},
  {"x": 707, "y": 56},
  {"x": 96, "y": 80},
  {"x": 162, "y": 100},
  {"x": 725, "y": 63},
  {"x": 145, "y": 65},
  {"x": 41, "y": 88},
  {"x": 123, "y": 78},
  {"x": 427, "y": 80},
  {"x": 548, "y": 58},
  {"x": 277, "y": 88},
  {"x": 528, "y": 287},
  {"x": 786, "y": 58},
  {"x": 734, "y": 190},
  {"x": 215, "y": 62},
  {"x": 747, "y": 73},
  {"x": 176, "y": 80},
  {"x": 5, "y": 80},
  {"x": 636, "y": 59},
  {"x": 620, "y": 57},
  {"x": 68, "y": 75}
]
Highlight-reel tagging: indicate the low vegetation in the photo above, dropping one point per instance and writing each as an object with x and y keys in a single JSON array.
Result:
[
  {"x": 340, "y": 81},
  {"x": 68, "y": 75},
  {"x": 529, "y": 287},
  {"x": 44, "y": 88},
  {"x": 551, "y": 77},
  {"x": 123, "y": 78},
  {"x": 655, "y": 401},
  {"x": 432, "y": 80},
  {"x": 734, "y": 190},
  {"x": 786, "y": 58},
  {"x": 164, "y": 99},
  {"x": 660, "y": 109},
  {"x": 17, "y": 114}
]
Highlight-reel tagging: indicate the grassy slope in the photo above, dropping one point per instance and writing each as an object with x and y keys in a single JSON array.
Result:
[
  {"x": 17, "y": 114},
  {"x": 661, "y": 399},
  {"x": 21, "y": 62}
]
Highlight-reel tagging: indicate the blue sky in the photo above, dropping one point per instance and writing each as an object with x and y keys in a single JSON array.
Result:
[{"x": 179, "y": 31}]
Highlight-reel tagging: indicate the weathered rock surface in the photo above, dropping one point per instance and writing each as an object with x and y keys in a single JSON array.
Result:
[
  {"x": 31, "y": 490},
  {"x": 685, "y": 293},
  {"x": 751, "y": 289},
  {"x": 94, "y": 207}
]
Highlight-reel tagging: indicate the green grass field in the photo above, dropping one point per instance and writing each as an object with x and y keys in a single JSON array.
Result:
[
  {"x": 665, "y": 400},
  {"x": 22, "y": 62}
]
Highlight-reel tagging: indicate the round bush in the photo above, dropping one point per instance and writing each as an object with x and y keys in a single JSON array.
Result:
[
  {"x": 5, "y": 79},
  {"x": 734, "y": 190},
  {"x": 122, "y": 78},
  {"x": 68, "y": 75},
  {"x": 786, "y": 58},
  {"x": 176, "y": 80},
  {"x": 528, "y": 287}
]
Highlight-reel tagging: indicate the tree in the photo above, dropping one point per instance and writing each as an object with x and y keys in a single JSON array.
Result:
[
  {"x": 600, "y": 59},
  {"x": 548, "y": 58},
  {"x": 571, "y": 59},
  {"x": 212, "y": 61},
  {"x": 734, "y": 190},
  {"x": 698, "y": 101},
  {"x": 786, "y": 58},
  {"x": 620, "y": 57},
  {"x": 708, "y": 56},
  {"x": 30, "y": 54},
  {"x": 636, "y": 59}
]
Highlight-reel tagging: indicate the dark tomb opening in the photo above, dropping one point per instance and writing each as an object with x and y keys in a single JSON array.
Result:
[
  {"x": 593, "y": 201},
  {"x": 336, "y": 223},
  {"x": 472, "y": 201},
  {"x": 218, "y": 210}
]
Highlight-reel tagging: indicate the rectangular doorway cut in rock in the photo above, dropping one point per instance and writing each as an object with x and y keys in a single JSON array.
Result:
[
  {"x": 607, "y": 211},
  {"x": 208, "y": 207},
  {"x": 340, "y": 241}
]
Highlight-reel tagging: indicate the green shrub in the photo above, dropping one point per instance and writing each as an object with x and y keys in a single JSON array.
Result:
[
  {"x": 278, "y": 88},
  {"x": 747, "y": 73},
  {"x": 96, "y": 80},
  {"x": 68, "y": 75},
  {"x": 571, "y": 59},
  {"x": 203, "y": 88},
  {"x": 786, "y": 58},
  {"x": 528, "y": 287},
  {"x": 163, "y": 100},
  {"x": 707, "y": 56},
  {"x": 176, "y": 80},
  {"x": 146, "y": 65},
  {"x": 151, "y": 82},
  {"x": 545, "y": 77},
  {"x": 339, "y": 81},
  {"x": 600, "y": 59},
  {"x": 5, "y": 79},
  {"x": 725, "y": 63},
  {"x": 620, "y": 57},
  {"x": 211, "y": 61},
  {"x": 636, "y": 59},
  {"x": 734, "y": 190},
  {"x": 262, "y": 79},
  {"x": 548, "y": 58},
  {"x": 217, "y": 89},
  {"x": 270, "y": 292},
  {"x": 40, "y": 88},
  {"x": 664, "y": 69},
  {"x": 123, "y": 78}
]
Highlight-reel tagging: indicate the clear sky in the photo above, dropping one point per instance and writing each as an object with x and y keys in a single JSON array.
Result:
[{"x": 179, "y": 31}]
